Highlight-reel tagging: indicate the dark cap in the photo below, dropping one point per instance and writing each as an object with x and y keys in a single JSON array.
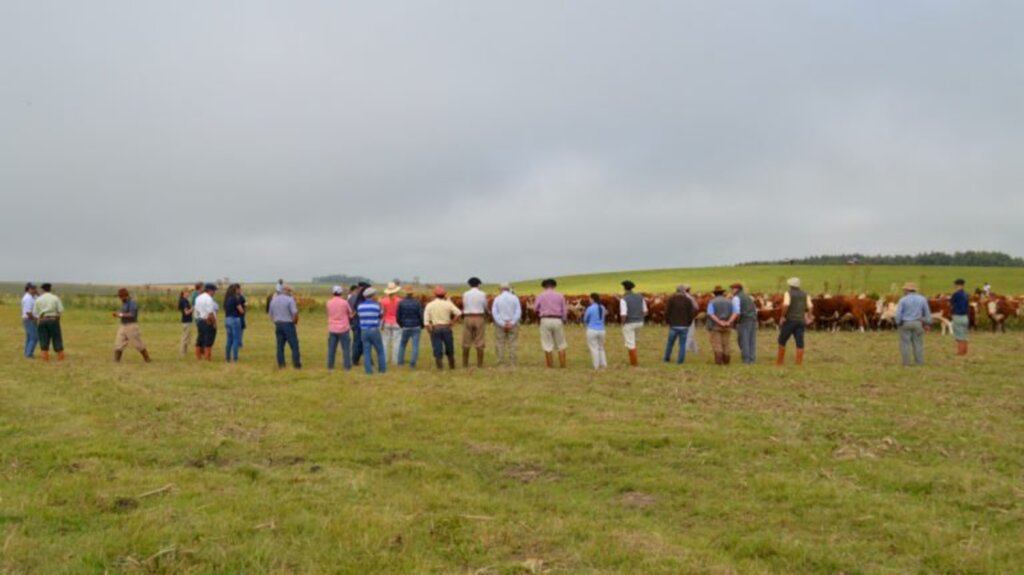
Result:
[
  {"x": 474, "y": 281},
  {"x": 364, "y": 285},
  {"x": 550, "y": 282},
  {"x": 29, "y": 286},
  {"x": 959, "y": 282},
  {"x": 209, "y": 287},
  {"x": 628, "y": 285},
  {"x": 47, "y": 286}
]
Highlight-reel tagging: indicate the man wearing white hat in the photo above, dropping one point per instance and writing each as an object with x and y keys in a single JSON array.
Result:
[
  {"x": 796, "y": 312},
  {"x": 507, "y": 312},
  {"x": 913, "y": 318},
  {"x": 390, "y": 332}
]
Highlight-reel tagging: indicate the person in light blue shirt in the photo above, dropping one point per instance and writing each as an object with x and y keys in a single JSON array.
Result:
[
  {"x": 913, "y": 318},
  {"x": 594, "y": 318},
  {"x": 370, "y": 319},
  {"x": 507, "y": 312}
]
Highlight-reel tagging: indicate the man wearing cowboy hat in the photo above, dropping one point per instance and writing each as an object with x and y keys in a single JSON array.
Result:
[
  {"x": 128, "y": 332},
  {"x": 553, "y": 312},
  {"x": 746, "y": 324},
  {"x": 355, "y": 297},
  {"x": 370, "y": 319},
  {"x": 796, "y": 314},
  {"x": 439, "y": 317},
  {"x": 390, "y": 332},
  {"x": 722, "y": 313},
  {"x": 474, "y": 322},
  {"x": 632, "y": 311},
  {"x": 913, "y": 318}
]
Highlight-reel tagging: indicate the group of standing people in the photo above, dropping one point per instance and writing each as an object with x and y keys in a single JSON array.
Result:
[{"x": 376, "y": 331}]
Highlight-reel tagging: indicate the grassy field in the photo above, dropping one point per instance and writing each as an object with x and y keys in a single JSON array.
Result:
[
  {"x": 816, "y": 279},
  {"x": 851, "y": 464}
]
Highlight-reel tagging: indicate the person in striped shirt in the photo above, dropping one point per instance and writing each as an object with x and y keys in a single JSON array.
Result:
[{"x": 370, "y": 316}]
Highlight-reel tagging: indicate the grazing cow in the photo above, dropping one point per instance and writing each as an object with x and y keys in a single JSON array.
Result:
[{"x": 999, "y": 309}]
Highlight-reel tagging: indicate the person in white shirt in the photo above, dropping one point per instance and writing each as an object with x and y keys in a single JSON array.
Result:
[
  {"x": 507, "y": 312},
  {"x": 28, "y": 320},
  {"x": 205, "y": 312},
  {"x": 474, "y": 311}
]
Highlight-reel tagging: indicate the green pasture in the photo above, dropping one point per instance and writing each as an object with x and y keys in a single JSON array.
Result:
[{"x": 850, "y": 464}]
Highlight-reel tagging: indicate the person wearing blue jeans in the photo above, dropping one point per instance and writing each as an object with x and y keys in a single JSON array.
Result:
[
  {"x": 679, "y": 314},
  {"x": 345, "y": 339},
  {"x": 410, "y": 319},
  {"x": 284, "y": 312},
  {"x": 28, "y": 321},
  {"x": 234, "y": 318},
  {"x": 370, "y": 317}
]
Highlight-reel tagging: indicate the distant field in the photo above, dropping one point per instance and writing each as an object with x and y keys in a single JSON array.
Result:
[
  {"x": 849, "y": 465},
  {"x": 816, "y": 279}
]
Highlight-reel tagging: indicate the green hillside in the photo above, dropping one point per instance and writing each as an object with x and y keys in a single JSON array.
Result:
[{"x": 772, "y": 278}]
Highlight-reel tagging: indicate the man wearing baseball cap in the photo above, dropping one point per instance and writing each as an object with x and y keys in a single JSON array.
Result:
[
  {"x": 913, "y": 318},
  {"x": 960, "y": 309},
  {"x": 632, "y": 312},
  {"x": 284, "y": 313},
  {"x": 204, "y": 312},
  {"x": 128, "y": 332},
  {"x": 370, "y": 319},
  {"x": 28, "y": 320},
  {"x": 439, "y": 317}
]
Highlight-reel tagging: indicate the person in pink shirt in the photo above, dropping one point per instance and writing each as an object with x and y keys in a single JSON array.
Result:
[
  {"x": 550, "y": 306},
  {"x": 339, "y": 326},
  {"x": 390, "y": 332}
]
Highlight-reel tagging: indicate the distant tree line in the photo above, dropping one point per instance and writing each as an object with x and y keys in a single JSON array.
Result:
[
  {"x": 341, "y": 279},
  {"x": 968, "y": 258}
]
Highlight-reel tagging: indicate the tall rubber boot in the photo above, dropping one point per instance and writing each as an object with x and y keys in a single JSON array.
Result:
[
  {"x": 439, "y": 362},
  {"x": 60, "y": 356},
  {"x": 117, "y": 355},
  {"x": 209, "y": 353},
  {"x": 781, "y": 359},
  {"x": 799, "y": 357},
  {"x": 45, "y": 355},
  {"x": 561, "y": 359},
  {"x": 726, "y": 358},
  {"x": 199, "y": 352},
  {"x": 145, "y": 355},
  {"x": 451, "y": 361},
  {"x": 633, "y": 361},
  {"x": 479, "y": 357},
  {"x": 465, "y": 357},
  {"x": 718, "y": 359},
  {"x": 548, "y": 359},
  {"x": 965, "y": 348}
]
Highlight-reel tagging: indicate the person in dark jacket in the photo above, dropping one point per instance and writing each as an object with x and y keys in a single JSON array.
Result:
[
  {"x": 410, "y": 320},
  {"x": 679, "y": 314},
  {"x": 746, "y": 324},
  {"x": 355, "y": 297},
  {"x": 960, "y": 307}
]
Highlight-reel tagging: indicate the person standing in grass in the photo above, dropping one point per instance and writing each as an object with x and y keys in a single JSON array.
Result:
[
  {"x": 722, "y": 313},
  {"x": 128, "y": 332},
  {"x": 679, "y": 313},
  {"x": 439, "y": 316},
  {"x": 960, "y": 307},
  {"x": 691, "y": 334},
  {"x": 370, "y": 318},
  {"x": 746, "y": 325},
  {"x": 48, "y": 310},
  {"x": 355, "y": 297},
  {"x": 474, "y": 314},
  {"x": 28, "y": 320},
  {"x": 204, "y": 311},
  {"x": 391, "y": 333},
  {"x": 242, "y": 303},
  {"x": 913, "y": 319},
  {"x": 234, "y": 314},
  {"x": 410, "y": 320},
  {"x": 507, "y": 312},
  {"x": 632, "y": 312},
  {"x": 593, "y": 318},
  {"x": 284, "y": 312},
  {"x": 796, "y": 314},
  {"x": 185, "y": 307},
  {"x": 339, "y": 327},
  {"x": 553, "y": 312}
]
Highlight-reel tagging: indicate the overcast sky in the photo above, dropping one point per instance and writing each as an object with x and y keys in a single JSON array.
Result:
[{"x": 169, "y": 141}]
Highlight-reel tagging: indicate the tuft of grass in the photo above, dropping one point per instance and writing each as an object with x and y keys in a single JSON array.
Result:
[{"x": 851, "y": 464}]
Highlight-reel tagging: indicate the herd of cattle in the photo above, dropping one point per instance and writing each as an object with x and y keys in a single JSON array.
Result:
[{"x": 831, "y": 312}]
